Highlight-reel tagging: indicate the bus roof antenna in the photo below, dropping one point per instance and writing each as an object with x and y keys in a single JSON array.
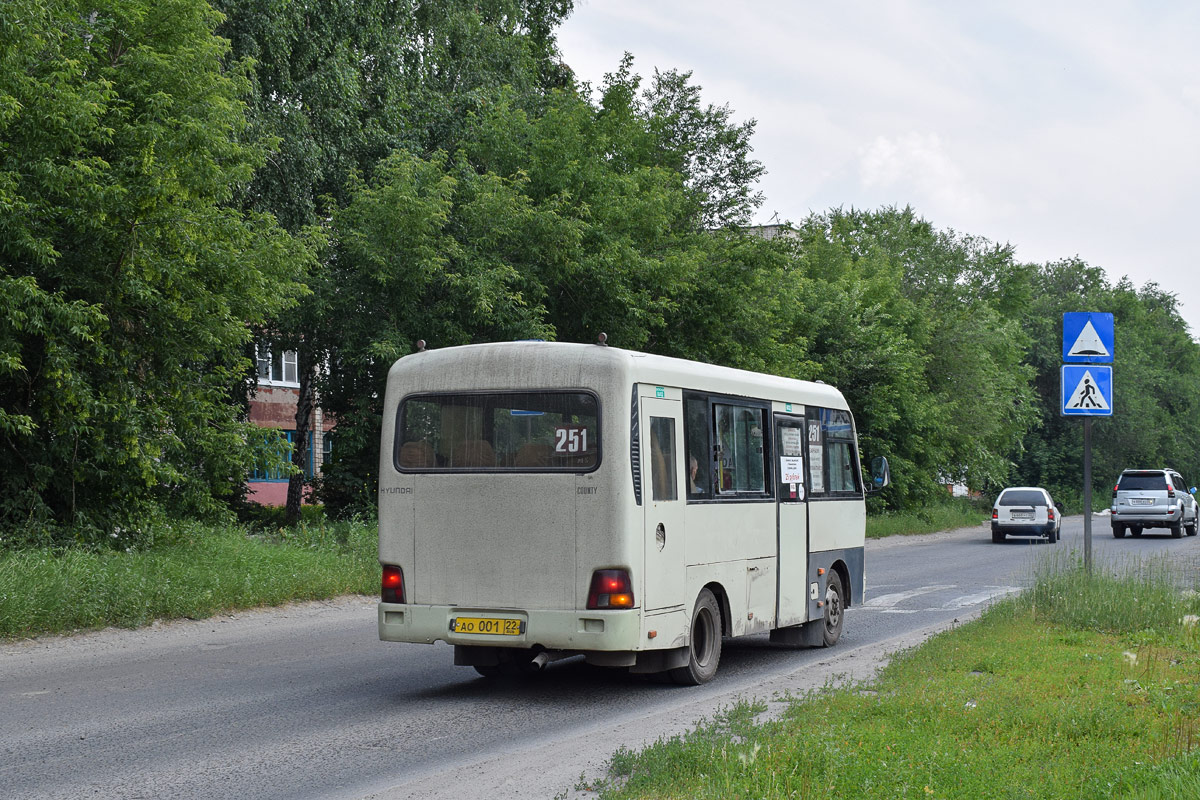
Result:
[{"x": 602, "y": 339}]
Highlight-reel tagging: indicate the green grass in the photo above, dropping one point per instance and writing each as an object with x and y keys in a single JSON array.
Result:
[
  {"x": 1083, "y": 687},
  {"x": 194, "y": 572},
  {"x": 956, "y": 513}
]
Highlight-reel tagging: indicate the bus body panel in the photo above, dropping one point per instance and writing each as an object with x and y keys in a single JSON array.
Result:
[
  {"x": 725, "y": 531},
  {"x": 835, "y": 524},
  {"x": 475, "y": 536}
]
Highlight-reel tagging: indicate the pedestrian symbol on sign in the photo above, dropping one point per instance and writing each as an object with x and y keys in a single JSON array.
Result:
[{"x": 1086, "y": 395}]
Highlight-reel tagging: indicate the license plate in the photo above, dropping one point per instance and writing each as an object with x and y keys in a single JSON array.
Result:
[
  {"x": 488, "y": 626},
  {"x": 1141, "y": 501},
  {"x": 1022, "y": 515}
]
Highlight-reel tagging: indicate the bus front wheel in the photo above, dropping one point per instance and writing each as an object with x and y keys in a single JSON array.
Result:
[
  {"x": 834, "y": 609},
  {"x": 704, "y": 652}
]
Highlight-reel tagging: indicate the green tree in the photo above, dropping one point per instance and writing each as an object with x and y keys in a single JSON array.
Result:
[
  {"x": 127, "y": 280},
  {"x": 342, "y": 85},
  {"x": 912, "y": 324},
  {"x": 556, "y": 220},
  {"x": 1156, "y": 383}
]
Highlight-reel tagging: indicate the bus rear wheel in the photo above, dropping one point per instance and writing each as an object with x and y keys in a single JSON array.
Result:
[{"x": 704, "y": 652}]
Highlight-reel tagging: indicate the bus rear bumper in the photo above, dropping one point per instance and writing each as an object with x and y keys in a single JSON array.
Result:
[{"x": 578, "y": 631}]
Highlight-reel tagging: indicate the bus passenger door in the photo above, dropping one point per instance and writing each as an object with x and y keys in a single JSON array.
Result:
[
  {"x": 663, "y": 474},
  {"x": 792, "y": 597}
]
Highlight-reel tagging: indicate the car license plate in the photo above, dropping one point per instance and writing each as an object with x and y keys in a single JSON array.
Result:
[
  {"x": 1141, "y": 501},
  {"x": 488, "y": 626},
  {"x": 1022, "y": 515}
]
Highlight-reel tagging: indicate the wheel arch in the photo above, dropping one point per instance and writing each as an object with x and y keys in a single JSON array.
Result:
[
  {"x": 718, "y": 591},
  {"x": 849, "y": 590}
]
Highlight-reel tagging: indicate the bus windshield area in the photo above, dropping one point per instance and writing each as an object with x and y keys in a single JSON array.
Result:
[{"x": 499, "y": 431}]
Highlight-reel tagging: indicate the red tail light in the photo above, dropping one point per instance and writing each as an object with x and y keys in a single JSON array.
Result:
[
  {"x": 995, "y": 514},
  {"x": 1050, "y": 513},
  {"x": 610, "y": 588},
  {"x": 392, "y": 590},
  {"x": 1170, "y": 491}
]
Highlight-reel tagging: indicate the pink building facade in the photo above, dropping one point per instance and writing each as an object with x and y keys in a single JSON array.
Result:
[{"x": 273, "y": 405}]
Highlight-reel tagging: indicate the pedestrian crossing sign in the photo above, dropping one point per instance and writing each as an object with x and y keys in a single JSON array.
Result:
[{"x": 1087, "y": 390}]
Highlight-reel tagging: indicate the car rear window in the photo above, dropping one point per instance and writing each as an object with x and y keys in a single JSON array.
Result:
[
  {"x": 1142, "y": 481},
  {"x": 1022, "y": 497}
]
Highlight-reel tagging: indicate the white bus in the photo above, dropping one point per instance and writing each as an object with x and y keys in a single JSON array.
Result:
[{"x": 541, "y": 500}]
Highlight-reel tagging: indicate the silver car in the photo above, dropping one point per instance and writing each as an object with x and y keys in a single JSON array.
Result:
[
  {"x": 1026, "y": 511},
  {"x": 1153, "y": 498}
]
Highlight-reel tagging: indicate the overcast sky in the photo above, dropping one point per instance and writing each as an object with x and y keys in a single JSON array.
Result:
[{"x": 1065, "y": 129}]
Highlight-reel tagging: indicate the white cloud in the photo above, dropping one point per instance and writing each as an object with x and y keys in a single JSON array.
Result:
[
  {"x": 916, "y": 164},
  {"x": 1062, "y": 128}
]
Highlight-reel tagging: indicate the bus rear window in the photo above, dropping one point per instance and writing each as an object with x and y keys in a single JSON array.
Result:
[{"x": 498, "y": 431}]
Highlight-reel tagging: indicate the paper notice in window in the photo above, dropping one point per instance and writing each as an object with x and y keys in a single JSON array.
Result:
[
  {"x": 816, "y": 468},
  {"x": 791, "y": 469},
  {"x": 790, "y": 441}
]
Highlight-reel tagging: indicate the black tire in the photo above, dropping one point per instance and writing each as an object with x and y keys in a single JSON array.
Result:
[
  {"x": 1135, "y": 531},
  {"x": 704, "y": 650},
  {"x": 835, "y": 608},
  {"x": 998, "y": 537},
  {"x": 1190, "y": 530},
  {"x": 1052, "y": 536},
  {"x": 1177, "y": 529},
  {"x": 1119, "y": 532}
]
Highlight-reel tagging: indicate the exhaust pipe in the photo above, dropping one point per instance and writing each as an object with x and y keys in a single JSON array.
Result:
[{"x": 539, "y": 662}]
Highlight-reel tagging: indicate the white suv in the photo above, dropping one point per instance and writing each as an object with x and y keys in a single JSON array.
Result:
[{"x": 1153, "y": 498}]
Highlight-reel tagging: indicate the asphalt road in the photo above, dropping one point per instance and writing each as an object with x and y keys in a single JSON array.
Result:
[{"x": 305, "y": 702}]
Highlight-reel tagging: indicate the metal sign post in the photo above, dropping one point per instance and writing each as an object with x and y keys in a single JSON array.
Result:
[
  {"x": 1087, "y": 494},
  {"x": 1087, "y": 391}
]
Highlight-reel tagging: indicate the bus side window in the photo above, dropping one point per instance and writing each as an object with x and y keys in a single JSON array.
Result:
[
  {"x": 740, "y": 448},
  {"x": 662, "y": 459},
  {"x": 699, "y": 453},
  {"x": 841, "y": 470}
]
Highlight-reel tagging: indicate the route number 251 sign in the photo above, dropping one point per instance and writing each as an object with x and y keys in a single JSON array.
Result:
[{"x": 570, "y": 439}]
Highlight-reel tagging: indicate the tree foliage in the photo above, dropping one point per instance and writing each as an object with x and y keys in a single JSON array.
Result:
[
  {"x": 345, "y": 178},
  {"x": 1156, "y": 377},
  {"x": 128, "y": 282}
]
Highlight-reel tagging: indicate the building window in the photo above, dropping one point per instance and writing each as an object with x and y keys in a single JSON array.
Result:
[
  {"x": 277, "y": 368},
  {"x": 283, "y": 448}
]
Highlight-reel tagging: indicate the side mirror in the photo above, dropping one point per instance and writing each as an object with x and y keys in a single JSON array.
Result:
[
  {"x": 880, "y": 476},
  {"x": 1059, "y": 506},
  {"x": 1192, "y": 490}
]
